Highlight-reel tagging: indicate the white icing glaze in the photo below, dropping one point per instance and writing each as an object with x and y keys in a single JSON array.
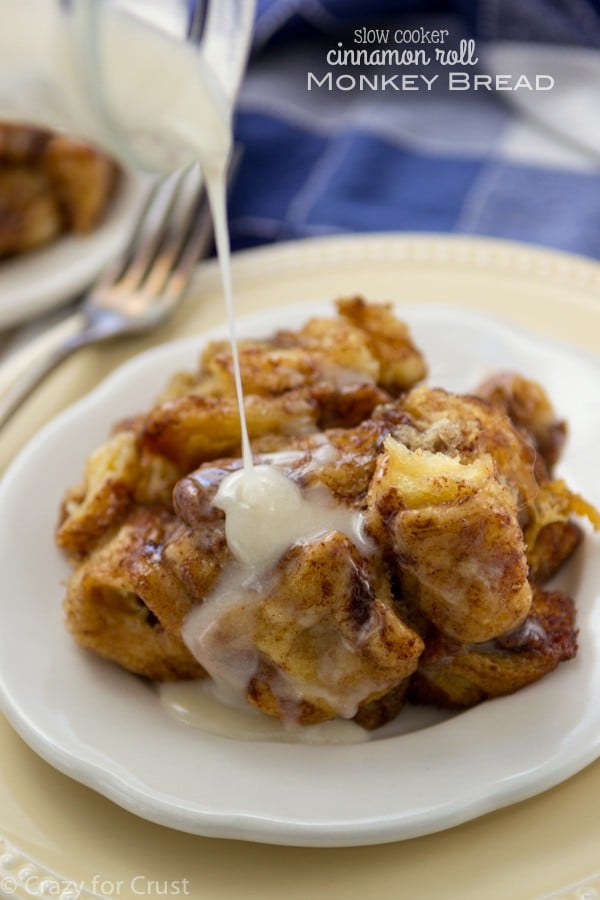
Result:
[
  {"x": 212, "y": 707},
  {"x": 231, "y": 658},
  {"x": 215, "y": 174},
  {"x": 266, "y": 513}
]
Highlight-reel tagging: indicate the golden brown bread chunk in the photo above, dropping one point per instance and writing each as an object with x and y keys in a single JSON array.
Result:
[
  {"x": 334, "y": 352},
  {"x": 317, "y": 644},
  {"x": 84, "y": 180},
  {"x": 329, "y": 350},
  {"x": 453, "y": 528},
  {"x": 21, "y": 144},
  {"x": 30, "y": 214},
  {"x": 554, "y": 545},
  {"x": 329, "y": 373},
  {"x": 49, "y": 184},
  {"x": 103, "y": 498},
  {"x": 375, "y": 713},
  {"x": 192, "y": 429},
  {"x": 350, "y": 648},
  {"x": 469, "y": 428},
  {"x": 555, "y": 503},
  {"x": 455, "y": 675},
  {"x": 388, "y": 338},
  {"x": 529, "y": 408},
  {"x": 110, "y": 605},
  {"x": 118, "y": 474}
]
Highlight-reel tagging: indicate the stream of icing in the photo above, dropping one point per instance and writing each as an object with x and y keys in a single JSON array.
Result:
[{"x": 266, "y": 514}]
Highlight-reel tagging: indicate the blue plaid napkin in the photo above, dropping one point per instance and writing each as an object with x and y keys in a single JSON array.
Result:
[{"x": 331, "y": 146}]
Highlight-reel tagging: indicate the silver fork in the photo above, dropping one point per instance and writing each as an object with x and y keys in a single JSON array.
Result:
[{"x": 139, "y": 290}]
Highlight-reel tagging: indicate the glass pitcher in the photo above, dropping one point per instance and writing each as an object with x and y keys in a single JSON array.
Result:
[{"x": 153, "y": 81}]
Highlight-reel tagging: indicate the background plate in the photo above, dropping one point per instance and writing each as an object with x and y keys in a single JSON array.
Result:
[{"x": 43, "y": 279}]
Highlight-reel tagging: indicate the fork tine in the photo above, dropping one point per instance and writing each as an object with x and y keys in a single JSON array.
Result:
[
  {"x": 151, "y": 230},
  {"x": 194, "y": 242},
  {"x": 172, "y": 233},
  {"x": 170, "y": 277},
  {"x": 154, "y": 211},
  {"x": 194, "y": 246},
  {"x": 182, "y": 221}
]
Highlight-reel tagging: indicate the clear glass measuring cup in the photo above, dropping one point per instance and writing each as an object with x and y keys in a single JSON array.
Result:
[{"x": 153, "y": 81}]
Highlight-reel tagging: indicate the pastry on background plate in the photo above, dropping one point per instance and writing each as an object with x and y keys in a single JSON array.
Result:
[{"x": 50, "y": 185}]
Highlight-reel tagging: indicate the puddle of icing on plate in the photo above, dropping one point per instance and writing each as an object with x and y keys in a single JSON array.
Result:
[{"x": 214, "y": 708}]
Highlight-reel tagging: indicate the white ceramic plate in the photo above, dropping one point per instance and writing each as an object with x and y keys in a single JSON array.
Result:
[
  {"x": 106, "y": 729},
  {"x": 43, "y": 279}
]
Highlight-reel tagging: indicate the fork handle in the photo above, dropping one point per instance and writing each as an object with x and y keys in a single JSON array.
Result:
[{"x": 24, "y": 371}]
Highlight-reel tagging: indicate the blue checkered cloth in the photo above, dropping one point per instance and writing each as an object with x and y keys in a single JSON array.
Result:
[{"x": 521, "y": 165}]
